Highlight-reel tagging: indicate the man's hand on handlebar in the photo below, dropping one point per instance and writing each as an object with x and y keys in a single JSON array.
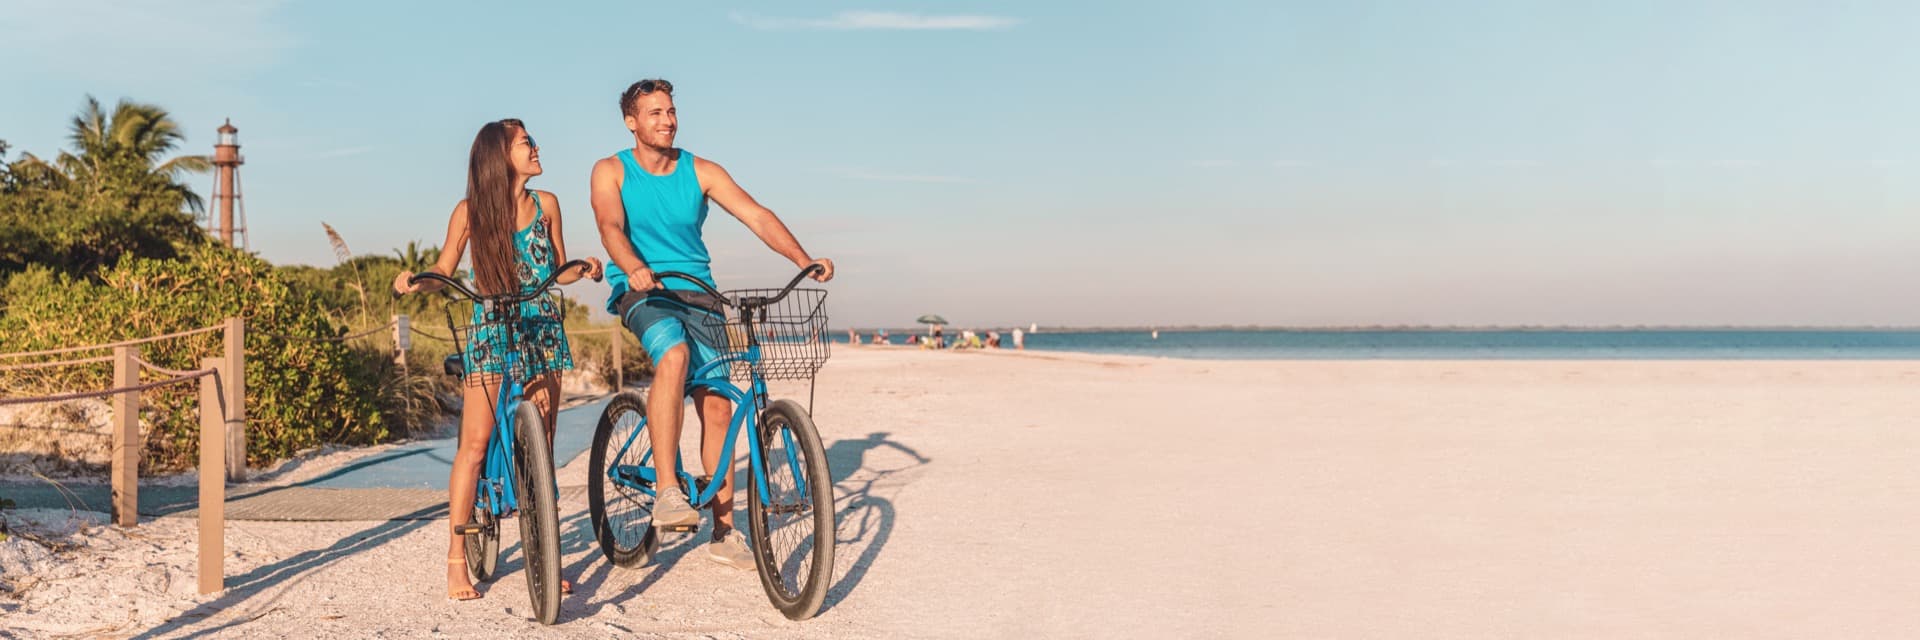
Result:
[
  {"x": 826, "y": 269},
  {"x": 642, "y": 279}
]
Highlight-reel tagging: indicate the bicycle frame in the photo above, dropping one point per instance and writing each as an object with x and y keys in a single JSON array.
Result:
[
  {"x": 747, "y": 404},
  {"x": 496, "y": 491}
]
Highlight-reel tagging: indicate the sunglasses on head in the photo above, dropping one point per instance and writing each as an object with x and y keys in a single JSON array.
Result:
[
  {"x": 650, "y": 86},
  {"x": 517, "y": 124}
]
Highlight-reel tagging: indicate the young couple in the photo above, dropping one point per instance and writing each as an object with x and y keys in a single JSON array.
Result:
[{"x": 649, "y": 202}]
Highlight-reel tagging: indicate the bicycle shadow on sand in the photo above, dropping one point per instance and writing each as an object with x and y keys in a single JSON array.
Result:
[
  {"x": 281, "y": 576},
  {"x": 867, "y": 473},
  {"x": 593, "y": 575}
]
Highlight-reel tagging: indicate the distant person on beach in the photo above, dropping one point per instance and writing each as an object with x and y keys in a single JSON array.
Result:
[
  {"x": 853, "y": 336},
  {"x": 650, "y": 201},
  {"x": 993, "y": 339},
  {"x": 1019, "y": 338},
  {"x": 516, "y": 240},
  {"x": 938, "y": 340}
]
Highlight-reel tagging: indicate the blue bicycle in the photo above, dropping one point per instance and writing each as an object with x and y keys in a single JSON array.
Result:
[
  {"x": 770, "y": 334},
  {"x": 518, "y": 471}
]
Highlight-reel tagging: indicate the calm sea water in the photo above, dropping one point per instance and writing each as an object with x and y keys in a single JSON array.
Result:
[{"x": 1492, "y": 345}]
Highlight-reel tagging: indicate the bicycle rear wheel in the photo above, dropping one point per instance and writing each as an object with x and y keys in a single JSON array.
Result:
[
  {"x": 793, "y": 531},
  {"x": 622, "y": 515},
  {"x": 539, "y": 517}
]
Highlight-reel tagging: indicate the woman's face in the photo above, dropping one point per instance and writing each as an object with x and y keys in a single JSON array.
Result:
[{"x": 524, "y": 154}]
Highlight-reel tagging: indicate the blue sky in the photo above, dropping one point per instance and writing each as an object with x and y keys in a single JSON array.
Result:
[{"x": 1287, "y": 163}]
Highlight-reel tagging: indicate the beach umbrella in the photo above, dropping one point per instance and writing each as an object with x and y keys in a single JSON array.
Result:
[{"x": 931, "y": 319}]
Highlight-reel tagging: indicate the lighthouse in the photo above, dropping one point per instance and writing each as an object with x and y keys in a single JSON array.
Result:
[{"x": 226, "y": 186}]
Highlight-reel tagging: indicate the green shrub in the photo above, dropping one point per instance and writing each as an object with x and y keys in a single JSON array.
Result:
[{"x": 299, "y": 393}]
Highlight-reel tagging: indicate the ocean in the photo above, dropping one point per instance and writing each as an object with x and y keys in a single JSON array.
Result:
[{"x": 1686, "y": 344}]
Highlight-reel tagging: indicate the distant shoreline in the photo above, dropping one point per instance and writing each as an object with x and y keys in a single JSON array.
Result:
[{"x": 953, "y": 329}]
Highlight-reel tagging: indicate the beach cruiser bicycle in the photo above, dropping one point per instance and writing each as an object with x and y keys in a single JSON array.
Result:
[
  {"x": 769, "y": 334},
  {"x": 516, "y": 480}
]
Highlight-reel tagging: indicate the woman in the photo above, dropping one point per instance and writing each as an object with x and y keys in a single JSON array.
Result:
[{"x": 516, "y": 240}]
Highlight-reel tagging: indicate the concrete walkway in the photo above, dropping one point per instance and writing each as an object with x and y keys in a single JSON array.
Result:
[{"x": 407, "y": 482}]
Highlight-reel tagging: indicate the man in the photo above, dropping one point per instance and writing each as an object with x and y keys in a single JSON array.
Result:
[{"x": 650, "y": 202}]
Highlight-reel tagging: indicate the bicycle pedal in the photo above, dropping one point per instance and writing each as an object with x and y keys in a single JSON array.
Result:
[
  {"x": 468, "y": 530},
  {"x": 681, "y": 528}
]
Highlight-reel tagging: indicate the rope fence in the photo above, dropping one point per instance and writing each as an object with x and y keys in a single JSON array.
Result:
[
  {"x": 123, "y": 343},
  {"x": 82, "y": 395},
  {"x": 59, "y": 363},
  {"x": 430, "y": 336},
  {"x": 353, "y": 336},
  {"x": 162, "y": 370}
]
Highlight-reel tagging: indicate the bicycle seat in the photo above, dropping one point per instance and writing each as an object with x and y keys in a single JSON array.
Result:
[{"x": 454, "y": 366}]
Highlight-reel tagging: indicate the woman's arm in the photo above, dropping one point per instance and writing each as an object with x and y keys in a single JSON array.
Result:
[
  {"x": 592, "y": 270},
  {"x": 456, "y": 246}
]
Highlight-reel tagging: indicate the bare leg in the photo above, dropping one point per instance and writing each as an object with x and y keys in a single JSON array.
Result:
[
  {"x": 715, "y": 410},
  {"x": 663, "y": 415},
  {"x": 476, "y": 425},
  {"x": 544, "y": 393}
]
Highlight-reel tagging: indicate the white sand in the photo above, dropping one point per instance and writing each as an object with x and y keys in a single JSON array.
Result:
[{"x": 1094, "y": 496}]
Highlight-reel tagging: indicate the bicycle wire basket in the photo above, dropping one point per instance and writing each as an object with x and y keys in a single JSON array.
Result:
[
  {"x": 791, "y": 333},
  {"x": 486, "y": 331}
]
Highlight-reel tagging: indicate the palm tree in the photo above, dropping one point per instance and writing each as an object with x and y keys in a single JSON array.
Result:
[
  {"x": 416, "y": 258},
  {"x": 122, "y": 158}
]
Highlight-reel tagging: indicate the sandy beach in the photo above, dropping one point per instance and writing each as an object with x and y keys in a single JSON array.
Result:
[{"x": 1015, "y": 494}]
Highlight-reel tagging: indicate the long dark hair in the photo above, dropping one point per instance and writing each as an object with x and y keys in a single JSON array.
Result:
[{"x": 491, "y": 206}]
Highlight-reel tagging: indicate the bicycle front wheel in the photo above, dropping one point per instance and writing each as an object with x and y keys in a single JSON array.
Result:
[
  {"x": 622, "y": 513},
  {"x": 539, "y": 517},
  {"x": 793, "y": 530}
]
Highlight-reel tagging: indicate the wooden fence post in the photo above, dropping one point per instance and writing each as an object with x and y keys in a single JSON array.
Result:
[
  {"x": 235, "y": 383},
  {"x": 213, "y": 483},
  {"x": 619, "y": 373},
  {"x": 125, "y": 458},
  {"x": 402, "y": 341}
]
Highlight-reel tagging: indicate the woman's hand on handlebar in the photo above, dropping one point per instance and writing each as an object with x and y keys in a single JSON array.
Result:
[
  {"x": 589, "y": 268},
  {"x": 401, "y": 286}
]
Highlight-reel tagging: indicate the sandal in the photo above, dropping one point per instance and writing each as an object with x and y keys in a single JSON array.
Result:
[{"x": 470, "y": 593}]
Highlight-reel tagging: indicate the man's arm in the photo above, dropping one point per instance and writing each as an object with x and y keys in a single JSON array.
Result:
[
  {"x": 611, "y": 217},
  {"x": 720, "y": 186}
]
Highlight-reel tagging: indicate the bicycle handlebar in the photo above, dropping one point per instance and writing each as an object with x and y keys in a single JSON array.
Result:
[
  {"x": 755, "y": 301},
  {"x": 504, "y": 298}
]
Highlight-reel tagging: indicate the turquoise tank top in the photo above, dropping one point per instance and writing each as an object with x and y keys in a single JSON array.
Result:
[{"x": 664, "y": 216}]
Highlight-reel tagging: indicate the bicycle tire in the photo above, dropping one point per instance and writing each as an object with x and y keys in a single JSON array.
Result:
[
  {"x": 483, "y": 548},
  {"x": 539, "y": 516},
  {"x": 810, "y": 562},
  {"x": 626, "y": 533}
]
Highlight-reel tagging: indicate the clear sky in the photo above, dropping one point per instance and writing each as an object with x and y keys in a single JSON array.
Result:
[{"x": 1285, "y": 163}]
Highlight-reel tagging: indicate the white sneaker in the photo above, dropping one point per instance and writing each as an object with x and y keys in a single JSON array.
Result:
[
  {"x": 670, "y": 509},
  {"x": 731, "y": 550}
]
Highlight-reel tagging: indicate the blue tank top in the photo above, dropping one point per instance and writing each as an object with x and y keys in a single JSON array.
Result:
[{"x": 664, "y": 216}]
